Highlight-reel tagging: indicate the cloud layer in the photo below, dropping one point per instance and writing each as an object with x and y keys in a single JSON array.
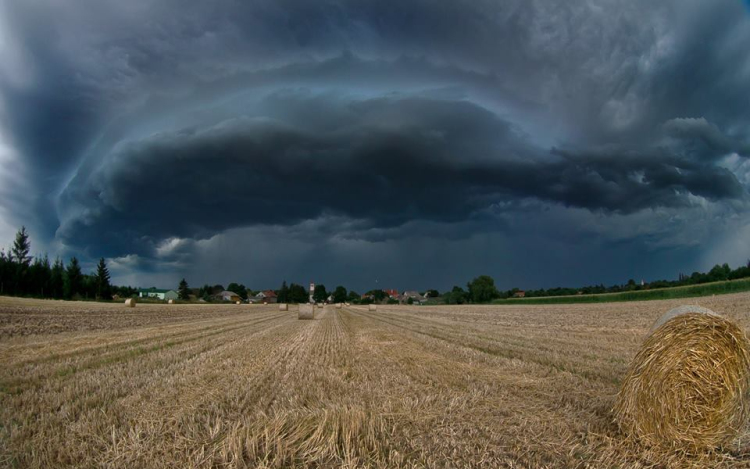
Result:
[{"x": 148, "y": 132}]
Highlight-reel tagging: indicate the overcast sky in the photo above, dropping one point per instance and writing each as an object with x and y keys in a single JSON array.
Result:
[{"x": 409, "y": 145}]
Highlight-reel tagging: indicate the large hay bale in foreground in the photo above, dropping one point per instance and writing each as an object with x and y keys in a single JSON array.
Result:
[
  {"x": 674, "y": 312},
  {"x": 687, "y": 388},
  {"x": 130, "y": 303},
  {"x": 306, "y": 311},
  {"x": 373, "y": 308},
  {"x": 283, "y": 307}
]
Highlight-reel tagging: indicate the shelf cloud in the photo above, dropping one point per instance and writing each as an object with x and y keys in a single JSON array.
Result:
[{"x": 166, "y": 136}]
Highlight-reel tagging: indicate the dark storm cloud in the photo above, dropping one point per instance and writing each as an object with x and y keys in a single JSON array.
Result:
[
  {"x": 136, "y": 123},
  {"x": 383, "y": 161},
  {"x": 699, "y": 138}
]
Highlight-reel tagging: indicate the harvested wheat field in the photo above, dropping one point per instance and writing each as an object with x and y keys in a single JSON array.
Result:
[{"x": 101, "y": 385}]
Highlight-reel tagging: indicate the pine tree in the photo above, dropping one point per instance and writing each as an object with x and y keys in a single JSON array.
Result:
[
  {"x": 5, "y": 266},
  {"x": 21, "y": 248},
  {"x": 19, "y": 256},
  {"x": 283, "y": 296},
  {"x": 184, "y": 290},
  {"x": 103, "y": 288},
  {"x": 37, "y": 280},
  {"x": 57, "y": 279},
  {"x": 45, "y": 277},
  {"x": 73, "y": 279}
]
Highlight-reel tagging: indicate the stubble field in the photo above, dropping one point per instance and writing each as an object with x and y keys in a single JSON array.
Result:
[{"x": 100, "y": 385}]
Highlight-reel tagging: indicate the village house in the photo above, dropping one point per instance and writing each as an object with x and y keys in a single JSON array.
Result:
[
  {"x": 228, "y": 296},
  {"x": 392, "y": 294},
  {"x": 414, "y": 296},
  {"x": 266, "y": 296},
  {"x": 157, "y": 293}
]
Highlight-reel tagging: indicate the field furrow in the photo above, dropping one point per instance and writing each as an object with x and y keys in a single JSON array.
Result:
[{"x": 212, "y": 386}]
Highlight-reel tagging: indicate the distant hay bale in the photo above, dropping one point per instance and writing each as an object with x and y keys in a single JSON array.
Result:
[
  {"x": 338, "y": 305},
  {"x": 687, "y": 388},
  {"x": 170, "y": 302},
  {"x": 130, "y": 303},
  {"x": 373, "y": 308},
  {"x": 239, "y": 303},
  {"x": 283, "y": 307},
  {"x": 306, "y": 311}
]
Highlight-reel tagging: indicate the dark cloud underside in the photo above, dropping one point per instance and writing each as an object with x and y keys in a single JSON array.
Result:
[{"x": 148, "y": 132}]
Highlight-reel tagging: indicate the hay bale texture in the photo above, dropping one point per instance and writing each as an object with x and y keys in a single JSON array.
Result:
[
  {"x": 130, "y": 303},
  {"x": 674, "y": 312},
  {"x": 687, "y": 388},
  {"x": 373, "y": 308},
  {"x": 283, "y": 307},
  {"x": 306, "y": 311}
]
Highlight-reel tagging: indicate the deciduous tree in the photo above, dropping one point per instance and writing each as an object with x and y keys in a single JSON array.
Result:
[
  {"x": 482, "y": 289},
  {"x": 339, "y": 294},
  {"x": 320, "y": 294}
]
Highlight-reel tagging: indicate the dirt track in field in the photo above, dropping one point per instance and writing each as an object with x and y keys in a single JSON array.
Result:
[{"x": 94, "y": 385}]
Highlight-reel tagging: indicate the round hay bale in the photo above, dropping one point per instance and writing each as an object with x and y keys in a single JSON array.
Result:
[
  {"x": 130, "y": 303},
  {"x": 674, "y": 312},
  {"x": 239, "y": 302},
  {"x": 372, "y": 308},
  {"x": 283, "y": 307},
  {"x": 306, "y": 311},
  {"x": 687, "y": 388},
  {"x": 170, "y": 302}
]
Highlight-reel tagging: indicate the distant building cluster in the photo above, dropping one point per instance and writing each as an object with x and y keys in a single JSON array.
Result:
[
  {"x": 271, "y": 296},
  {"x": 408, "y": 296},
  {"x": 262, "y": 297},
  {"x": 158, "y": 294},
  {"x": 266, "y": 296}
]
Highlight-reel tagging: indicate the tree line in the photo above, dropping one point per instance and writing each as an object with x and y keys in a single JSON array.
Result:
[
  {"x": 482, "y": 289},
  {"x": 718, "y": 273},
  {"x": 294, "y": 293},
  {"x": 24, "y": 275}
]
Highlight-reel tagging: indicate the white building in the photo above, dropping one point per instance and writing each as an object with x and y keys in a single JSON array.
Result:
[{"x": 158, "y": 293}]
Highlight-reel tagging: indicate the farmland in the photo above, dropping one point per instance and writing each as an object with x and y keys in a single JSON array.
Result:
[
  {"x": 681, "y": 292},
  {"x": 94, "y": 385}
]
